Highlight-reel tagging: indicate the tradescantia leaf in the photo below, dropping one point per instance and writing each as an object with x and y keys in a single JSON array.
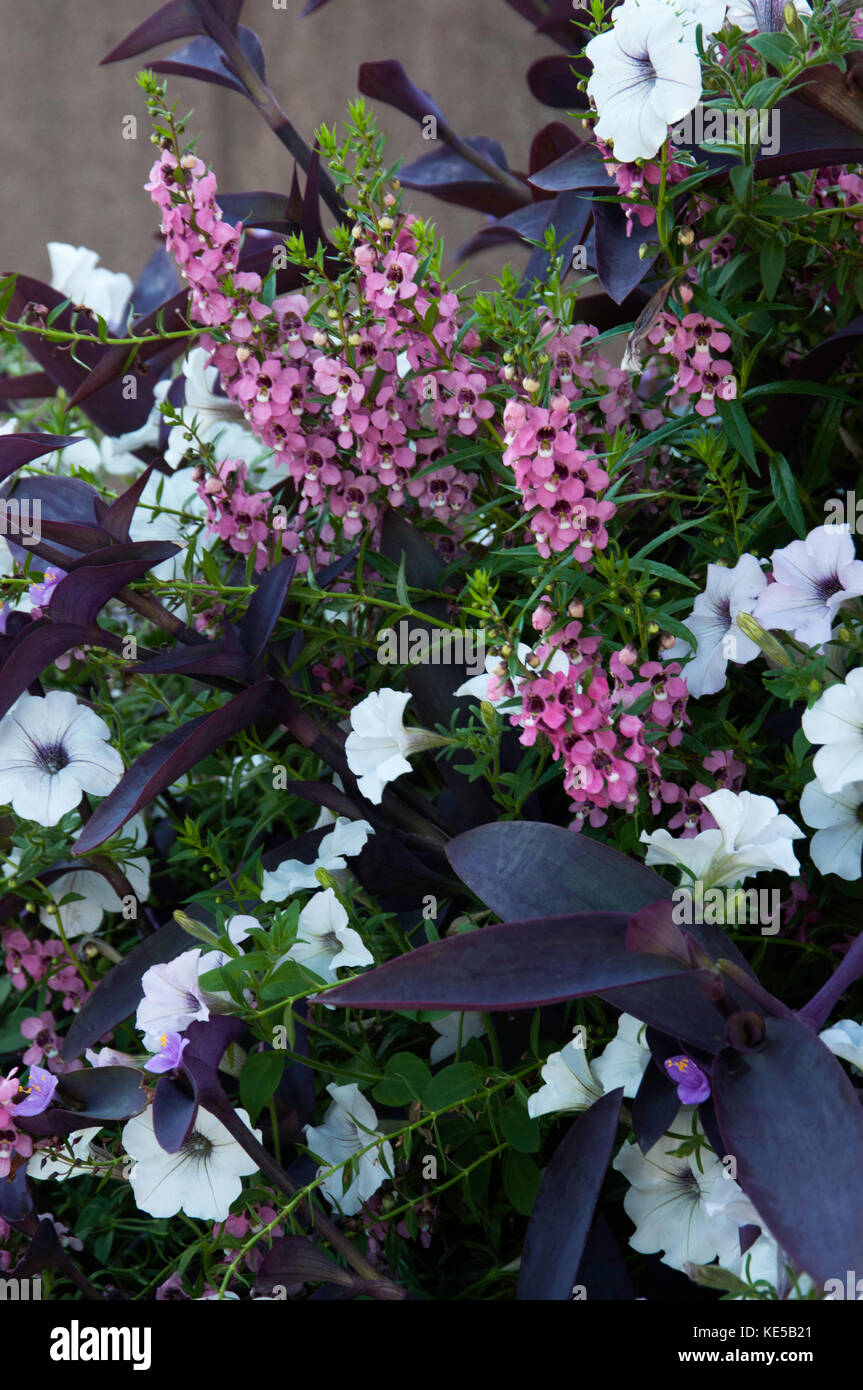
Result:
[
  {"x": 563, "y": 1213},
  {"x": 793, "y": 1121},
  {"x": 176, "y": 20},
  {"x": 99, "y": 1094},
  {"x": 35, "y": 647},
  {"x": 619, "y": 267},
  {"x": 452, "y": 178},
  {"x": 202, "y": 58},
  {"x": 265, "y": 607},
  {"x": 387, "y": 81},
  {"x": 174, "y": 1108},
  {"x": 16, "y": 450},
  {"x": 101, "y": 575},
  {"x": 525, "y": 869},
  {"x": 175, "y": 754},
  {"x": 554, "y": 81}
]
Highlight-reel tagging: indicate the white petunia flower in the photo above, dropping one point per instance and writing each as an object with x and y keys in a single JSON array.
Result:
[
  {"x": 623, "y": 1061},
  {"x": 56, "y": 1162},
  {"x": 344, "y": 841},
  {"x": 836, "y": 721},
  {"x": 751, "y": 836},
  {"x": 712, "y": 623},
  {"x": 172, "y": 999},
  {"x": 238, "y": 929},
  {"x": 767, "y": 16},
  {"x": 378, "y": 745},
  {"x": 838, "y": 846},
  {"x": 325, "y": 941},
  {"x": 97, "y": 896},
  {"x": 454, "y": 1029},
  {"x": 845, "y": 1040},
  {"x": 814, "y": 577},
  {"x": 669, "y": 1202},
  {"x": 52, "y": 750},
  {"x": 76, "y": 274},
  {"x": 569, "y": 1083},
  {"x": 489, "y": 686},
  {"x": 215, "y": 418},
  {"x": 348, "y": 1127},
  {"x": 646, "y": 75},
  {"x": 203, "y": 1179}
]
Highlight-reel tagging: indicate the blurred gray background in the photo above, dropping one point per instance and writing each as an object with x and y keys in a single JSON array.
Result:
[{"x": 68, "y": 175}]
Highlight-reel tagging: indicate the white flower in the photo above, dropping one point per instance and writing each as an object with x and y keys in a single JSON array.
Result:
[
  {"x": 765, "y": 15},
  {"x": 623, "y": 1061},
  {"x": 569, "y": 1083},
  {"x": 324, "y": 939},
  {"x": 455, "y": 1030},
  {"x": 845, "y": 1040},
  {"x": 172, "y": 998},
  {"x": 814, "y": 578},
  {"x": 203, "y": 1179},
  {"x": 56, "y": 1162},
  {"x": 344, "y": 841},
  {"x": 156, "y": 518},
  {"x": 751, "y": 835},
  {"x": 348, "y": 1127},
  {"x": 838, "y": 845},
  {"x": 238, "y": 929},
  {"x": 668, "y": 1201},
  {"x": 712, "y": 623},
  {"x": 836, "y": 720},
  {"x": 215, "y": 418},
  {"x": 76, "y": 274},
  {"x": 52, "y": 750},
  {"x": 483, "y": 688},
  {"x": 646, "y": 75},
  {"x": 97, "y": 896},
  {"x": 378, "y": 745}
]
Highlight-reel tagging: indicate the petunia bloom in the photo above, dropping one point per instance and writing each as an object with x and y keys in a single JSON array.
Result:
[
  {"x": 348, "y": 1128},
  {"x": 378, "y": 745},
  {"x": 203, "y": 1179},
  {"x": 836, "y": 721},
  {"x": 712, "y": 623},
  {"x": 52, "y": 750},
  {"x": 814, "y": 577},
  {"x": 751, "y": 836}
]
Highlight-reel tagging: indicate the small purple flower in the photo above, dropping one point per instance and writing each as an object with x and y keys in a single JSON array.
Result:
[
  {"x": 692, "y": 1083},
  {"x": 172, "y": 1046},
  {"x": 40, "y": 594},
  {"x": 39, "y": 1093}
]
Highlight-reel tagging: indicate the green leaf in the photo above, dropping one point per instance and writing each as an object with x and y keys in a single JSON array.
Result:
[
  {"x": 455, "y": 1083},
  {"x": 259, "y": 1079},
  {"x": 785, "y": 492},
  {"x": 401, "y": 585},
  {"x": 737, "y": 429},
  {"x": 518, "y": 1128},
  {"x": 406, "y": 1079},
  {"x": 521, "y": 1181},
  {"x": 781, "y": 206},
  {"x": 772, "y": 265},
  {"x": 11, "y": 1037}
]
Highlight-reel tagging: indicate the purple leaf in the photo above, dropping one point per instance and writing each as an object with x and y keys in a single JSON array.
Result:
[
  {"x": 258, "y": 209},
  {"x": 294, "y": 1260},
  {"x": 550, "y": 144},
  {"x": 387, "y": 81},
  {"x": 603, "y": 1270},
  {"x": 850, "y": 968},
  {"x": 28, "y": 386},
  {"x": 453, "y": 179},
  {"x": 783, "y": 422},
  {"x": 175, "y": 754},
  {"x": 553, "y": 82},
  {"x": 563, "y": 1212},
  {"x": 568, "y": 213},
  {"x": 15, "y": 1199},
  {"x": 19, "y": 449},
  {"x": 525, "y": 224},
  {"x": 157, "y": 282},
  {"x": 524, "y": 869},
  {"x": 118, "y": 517},
  {"x": 176, "y": 20},
  {"x": 101, "y": 575},
  {"x": 311, "y": 6},
  {"x": 36, "y": 647},
  {"x": 100, "y": 1094},
  {"x": 108, "y": 408},
  {"x": 793, "y": 1121},
  {"x": 655, "y": 1104},
  {"x": 202, "y": 58},
  {"x": 580, "y": 168},
  {"x": 265, "y": 607},
  {"x": 514, "y": 965},
  {"x": 174, "y": 1111},
  {"x": 618, "y": 265},
  {"x": 119, "y": 993}
]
